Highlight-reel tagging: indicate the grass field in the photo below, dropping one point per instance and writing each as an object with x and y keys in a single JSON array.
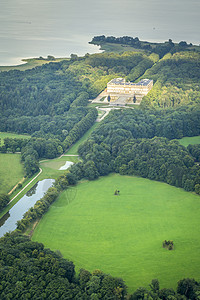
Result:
[
  {"x": 122, "y": 235},
  {"x": 11, "y": 171},
  {"x": 4, "y": 135},
  {"x": 74, "y": 149},
  {"x": 117, "y": 48},
  {"x": 190, "y": 140},
  {"x": 29, "y": 64},
  {"x": 51, "y": 167}
]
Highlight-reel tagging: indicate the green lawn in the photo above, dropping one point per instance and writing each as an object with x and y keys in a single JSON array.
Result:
[
  {"x": 51, "y": 167},
  {"x": 11, "y": 171},
  {"x": 4, "y": 135},
  {"x": 74, "y": 149},
  {"x": 190, "y": 140},
  {"x": 122, "y": 235}
]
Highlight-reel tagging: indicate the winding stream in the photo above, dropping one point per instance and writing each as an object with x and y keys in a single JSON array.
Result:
[{"x": 9, "y": 220}]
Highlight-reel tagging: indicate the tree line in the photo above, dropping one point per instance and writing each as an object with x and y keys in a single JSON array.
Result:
[
  {"x": 39, "y": 273},
  {"x": 139, "y": 143},
  {"x": 4, "y": 200},
  {"x": 176, "y": 80},
  {"x": 31, "y": 271},
  {"x": 160, "y": 48}
]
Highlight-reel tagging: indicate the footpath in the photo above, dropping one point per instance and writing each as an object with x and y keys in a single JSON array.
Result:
[{"x": 26, "y": 186}]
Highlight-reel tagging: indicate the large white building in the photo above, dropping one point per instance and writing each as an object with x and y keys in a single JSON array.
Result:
[{"x": 120, "y": 86}]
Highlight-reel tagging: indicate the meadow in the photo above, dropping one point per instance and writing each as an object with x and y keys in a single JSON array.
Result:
[
  {"x": 4, "y": 135},
  {"x": 122, "y": 235},
  {"x": 190, "y": 140},
  {"x": 11, "y": 171},
  {"x": 50, "y": 167}
]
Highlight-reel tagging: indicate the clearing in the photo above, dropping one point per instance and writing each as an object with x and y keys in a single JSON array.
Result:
[
  {"x": 190, "y": 140},
  {"x": 122, "y": 235},
  {"x": 11, "y": 171},
  {"x": 4, "y": 135}
]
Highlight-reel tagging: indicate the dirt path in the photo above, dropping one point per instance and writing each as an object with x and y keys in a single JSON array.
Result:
[
  {"x": 26, "y": 186},
  {"x": 106, "y": 111},
  {"x": 21, "y": 181},
  {"x": 68, "y": 155}
]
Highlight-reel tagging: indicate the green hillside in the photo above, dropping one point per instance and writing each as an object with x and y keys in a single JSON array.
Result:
[{"x": 122, "y": 235}]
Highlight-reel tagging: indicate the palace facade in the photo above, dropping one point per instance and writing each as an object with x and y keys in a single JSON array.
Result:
[{"x": 120, "y": 86}]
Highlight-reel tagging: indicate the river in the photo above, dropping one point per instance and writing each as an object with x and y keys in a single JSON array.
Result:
[
  {"x": 9, "y": 220},
  {"x": 61, "y": 27}
]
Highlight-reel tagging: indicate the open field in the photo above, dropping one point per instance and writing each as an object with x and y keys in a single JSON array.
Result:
[
  {"x": 122, "y": 235},
  {"x": 29, "y": 63},
  {"x": 117, "y": 48},
  {"x": 74, "y": 149},
  {"x": 4, "y": 135},
  {"x": 50, "y": 169},
  {"x": 11, "y": 171},
  {"x": 190, "y": 140},
  {"x": 53, "y": 165}
]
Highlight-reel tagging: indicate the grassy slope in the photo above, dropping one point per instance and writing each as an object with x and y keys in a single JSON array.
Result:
[
  {"x": 111, "y": 47},
  {"x": 122, "y": 235},
  {"x": 74, "y": 149},
  {"x": 11, "y": 171},
  {"x": 51, "y": 167},
  {"x": 190, "y": 140},
  {"x": 4, "y": 135}
]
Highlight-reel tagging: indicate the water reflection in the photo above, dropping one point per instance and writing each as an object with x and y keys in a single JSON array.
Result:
[
  {"x": 9, "y": 220},
  {"x": 4, "y": 218},
  {"x": 32, "y": 191}
]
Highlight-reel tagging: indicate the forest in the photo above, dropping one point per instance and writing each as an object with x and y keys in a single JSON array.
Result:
[
  {"x": 50, "y": 103},
  {"x": 146, "y": 146}
]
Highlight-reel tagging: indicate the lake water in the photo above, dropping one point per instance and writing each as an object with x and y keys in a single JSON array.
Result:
[
  {"x": 61, "y": 27},
  {"x": 8, "y": 221}
]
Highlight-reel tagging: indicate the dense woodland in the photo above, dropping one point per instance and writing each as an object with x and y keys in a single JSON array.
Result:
[
  {"x": 144, "y": 146},
  {"x": 51, "y": 104}
]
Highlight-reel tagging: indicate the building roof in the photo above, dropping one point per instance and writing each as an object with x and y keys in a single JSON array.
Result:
[{"x": 121, "y": 81}]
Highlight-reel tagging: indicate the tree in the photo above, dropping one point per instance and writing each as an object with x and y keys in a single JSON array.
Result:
[
  {"x": 31, "y": 165},
  {"x": 197, "y": 189},
  {"x": 90, "y": 170},
  {"x": 4, "y": 199},
  {"x": 155, "y": 286},
  {"x": 116, "y": 192},
  {"x": 187, "y": 287},
  {"x": 139, "y": 294}
]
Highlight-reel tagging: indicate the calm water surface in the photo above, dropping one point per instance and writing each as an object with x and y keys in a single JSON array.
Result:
[
  {"x": 8, "y": 221},
  {"x": 60, "y": 27}
]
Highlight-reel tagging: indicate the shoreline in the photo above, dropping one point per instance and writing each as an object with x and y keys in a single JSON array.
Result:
[{"x": 21, "y": 62}]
